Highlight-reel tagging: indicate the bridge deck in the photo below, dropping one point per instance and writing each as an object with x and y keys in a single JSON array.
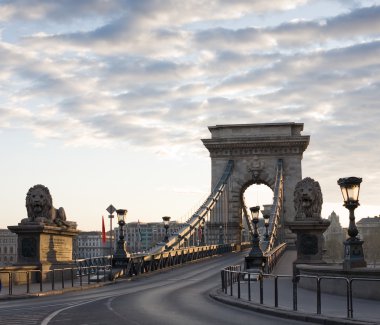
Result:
[{"x": 285, "y": 264}]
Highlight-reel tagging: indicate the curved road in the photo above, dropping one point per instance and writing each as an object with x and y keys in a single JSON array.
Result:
[{"x": 177, "y": 296}]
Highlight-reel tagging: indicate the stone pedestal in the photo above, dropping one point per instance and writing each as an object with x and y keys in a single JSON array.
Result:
[
  {"x": 353, "y": 254},
  {"x": 46, "y": 247},
  {"x": 309, "y": 240}
]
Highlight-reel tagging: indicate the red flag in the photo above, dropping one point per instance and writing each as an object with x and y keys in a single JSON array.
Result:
[{"x": 103, "y": 231}]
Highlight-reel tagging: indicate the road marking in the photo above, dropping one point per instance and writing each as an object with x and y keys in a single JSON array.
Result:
[{"x": 47, "y": 319}]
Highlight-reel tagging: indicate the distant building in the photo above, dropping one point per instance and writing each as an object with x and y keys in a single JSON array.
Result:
[
  {"x": 8, "y": 247},
  {"x": 89, "y": 244},
  {"x": 368, "y": 227},
  {"x": 369, "y": 231},
  {"x": 141, "y": 236},
  {"x": 334, "y": 237},
  {"x": 335, "y": 230}
]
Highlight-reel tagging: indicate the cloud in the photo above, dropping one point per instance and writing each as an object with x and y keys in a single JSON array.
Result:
[{"x": 144, "y": 75}]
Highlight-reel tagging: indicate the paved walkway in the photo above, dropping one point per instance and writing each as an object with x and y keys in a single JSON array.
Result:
[{"x": 332, "y": 306}]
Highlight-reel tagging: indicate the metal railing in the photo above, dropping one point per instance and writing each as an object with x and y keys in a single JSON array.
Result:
[
  {"x": 273, "y": 256},
  {"x": 232, "y": 279},
  {"x": 33, "y": 281},
  {"x": 149, "y": 263}
]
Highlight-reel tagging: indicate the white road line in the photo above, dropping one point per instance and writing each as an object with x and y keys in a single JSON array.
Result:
[{"x": 47, "y": 319}]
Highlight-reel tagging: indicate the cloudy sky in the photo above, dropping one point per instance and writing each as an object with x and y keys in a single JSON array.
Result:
[{"x": 106, "y": 101}]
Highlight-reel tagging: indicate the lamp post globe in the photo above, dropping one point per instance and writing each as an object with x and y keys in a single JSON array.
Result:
[
  {"x": 266, "y": 224},
  {"x": 166, "y": 221}
]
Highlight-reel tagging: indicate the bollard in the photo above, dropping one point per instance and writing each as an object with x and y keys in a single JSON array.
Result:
[
  {"x": 40, "y": 276},
  {"x": 276, "y": 291},
  {"x": 294, "y": 294},
  {"x": 27, "y": 283},
  {"x": 10, "y": 283},
  {"x": 249, "y": 286},
  {"x": 231, "y": 283},
  {"x": 318, "y": 296}
]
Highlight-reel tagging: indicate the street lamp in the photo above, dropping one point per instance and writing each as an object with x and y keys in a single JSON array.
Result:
[
  {"x": 179, "y": 241},
  {"x": 111, "y": 209},
  {"x": 121, "y": 255},
  {"x": 221, "y": 239},
  {"x": 266, "y": 224},
  {"x": 202, "y": 225},
  {"x": 166, "y": 226},
  {"x": 353, "y": 246},
  {"x": 255, "y": 259}
]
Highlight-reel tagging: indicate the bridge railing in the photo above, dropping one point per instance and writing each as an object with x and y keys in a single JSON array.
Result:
[
  {"x": 93, "y": 261},
  {"x": 35, "y": 281},
  {"x": 246, "y": 285},
  {"x": 149, "y": 263},
  {"x": 276, "y": 210},
  {"x": 273, "y": 256}
]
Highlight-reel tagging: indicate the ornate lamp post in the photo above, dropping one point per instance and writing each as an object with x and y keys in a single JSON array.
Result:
[
  {"x": 166, "y": 226},
  {"x": 266, "y": 224},
  {"x": 221, "y": 239},
  {"x": 353, "y": 246},
  {"x": 255, "y": 259},
  {"x": 179, "y": 241},
  {"x": 111, "y": 209},
  {"x": 202, "y": 226},
  {"x": 120, "y": 257}
]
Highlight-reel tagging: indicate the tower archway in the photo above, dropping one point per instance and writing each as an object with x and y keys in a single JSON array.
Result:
[{"x": 255, "y": 150}]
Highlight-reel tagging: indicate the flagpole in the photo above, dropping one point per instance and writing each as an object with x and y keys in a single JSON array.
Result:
[{"x": 111, "y": 217}]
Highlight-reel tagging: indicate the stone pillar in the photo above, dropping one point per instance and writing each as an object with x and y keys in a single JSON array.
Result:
[
  {"x": 255, "y": 150},
  {"x": 45, "y": 247},
  {"x": 45, "y": 237},
  {"x": 308, "y": 224}
]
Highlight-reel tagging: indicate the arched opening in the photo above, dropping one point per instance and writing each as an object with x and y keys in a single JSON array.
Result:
[{"x": 256, "y": 195}]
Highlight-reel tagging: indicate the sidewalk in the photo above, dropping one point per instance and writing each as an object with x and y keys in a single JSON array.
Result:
[{"x": 333, "y": 307}]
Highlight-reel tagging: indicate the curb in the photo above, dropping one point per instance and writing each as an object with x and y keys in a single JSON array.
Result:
[{"x": 217, "y": 295}]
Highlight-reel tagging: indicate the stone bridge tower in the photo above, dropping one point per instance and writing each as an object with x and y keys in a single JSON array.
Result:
[{"x": 255, "y": 150}]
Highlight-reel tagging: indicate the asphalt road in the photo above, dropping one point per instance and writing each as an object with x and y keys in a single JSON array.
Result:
[{"x": 177, "y": 296}]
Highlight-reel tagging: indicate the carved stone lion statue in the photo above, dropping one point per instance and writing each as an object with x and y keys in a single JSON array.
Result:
[
  {"x": 39, "y": 206},
  {"x": 308, "y": 200}
]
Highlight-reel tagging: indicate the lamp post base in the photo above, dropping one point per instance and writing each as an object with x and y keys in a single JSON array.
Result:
[
  {"x": 353, "y": 254},
  {"x": 121, "y": 257},
  {"x": 254, "y": 262}
]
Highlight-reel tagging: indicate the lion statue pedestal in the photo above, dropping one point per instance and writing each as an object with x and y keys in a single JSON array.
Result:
[
  {"x": 45, "y": 238},
  {"x": 308, "y": 225}
]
